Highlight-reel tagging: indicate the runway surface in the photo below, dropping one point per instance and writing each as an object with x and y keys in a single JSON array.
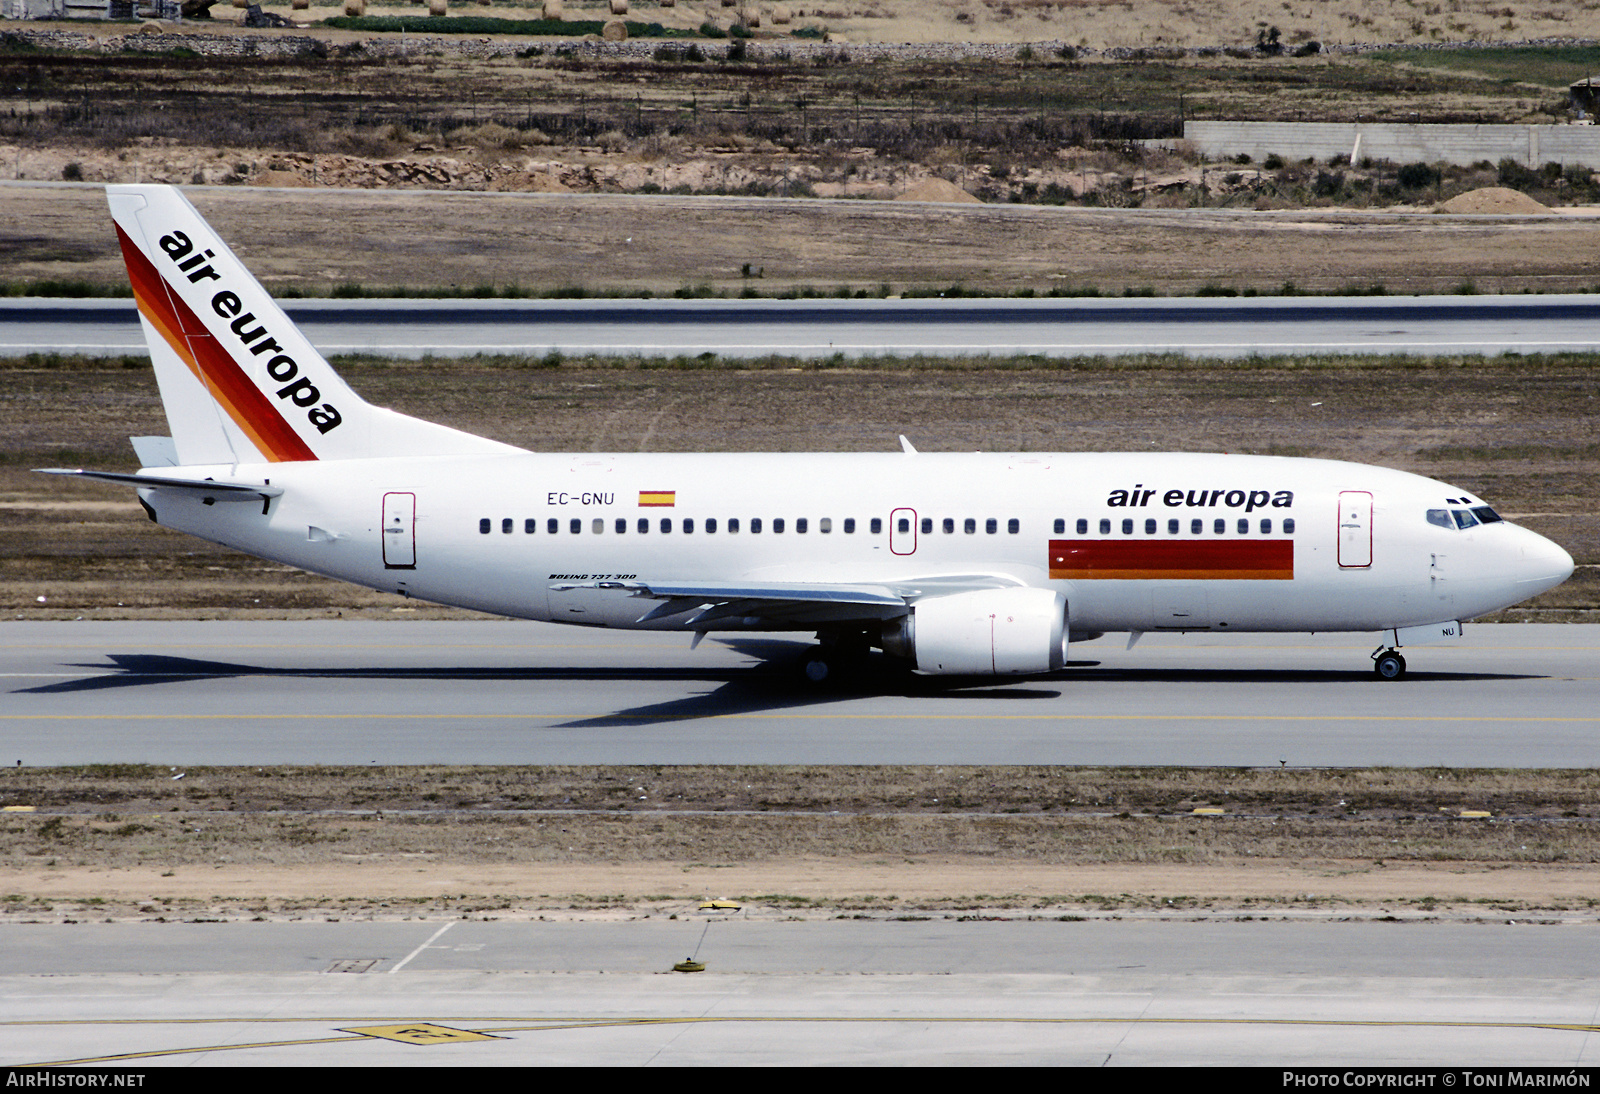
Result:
[
  {"x": 1234, "y": 327},
  {"x": 504, "y": 692},
  {"x": 456, "y": 993}
]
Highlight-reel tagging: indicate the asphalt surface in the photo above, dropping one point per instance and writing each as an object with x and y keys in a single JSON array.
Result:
[
  {"x": 344, "y": 692},
  {"x": 456, "y": 993},
  {"x": 1230, "y": 327}
]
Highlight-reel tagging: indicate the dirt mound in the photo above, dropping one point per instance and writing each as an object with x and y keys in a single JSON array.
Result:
[
  {"x": 271, "y": 177},
  {"x": 1492, "y": 199},
  {"x": 935, "y": 190}
]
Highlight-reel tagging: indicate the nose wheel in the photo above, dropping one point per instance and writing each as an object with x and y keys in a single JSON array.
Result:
[{"x": 1388, "y": 664}]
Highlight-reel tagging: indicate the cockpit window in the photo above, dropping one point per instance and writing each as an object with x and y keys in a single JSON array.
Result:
[{"x": 1464, "y": 518}]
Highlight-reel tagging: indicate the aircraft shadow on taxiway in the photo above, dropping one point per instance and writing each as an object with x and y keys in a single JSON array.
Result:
[{"x": 772, "y": 684}]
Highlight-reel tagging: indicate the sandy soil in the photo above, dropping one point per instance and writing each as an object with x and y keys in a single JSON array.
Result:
[
  {"x": 316, "y": 239},
  {"x": 1097, "y": 24},
  {"x": 805, "y": 888}
]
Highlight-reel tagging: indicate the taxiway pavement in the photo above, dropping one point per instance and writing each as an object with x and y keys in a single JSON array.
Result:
[
  {"x": 346, "y": 692},
  {"x": 456, "y": 993},
  {"x": 1228, "y": 327}
]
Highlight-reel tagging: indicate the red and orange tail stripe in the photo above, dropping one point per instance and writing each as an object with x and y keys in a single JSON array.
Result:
[
  {"x": 244, "y": 402},
  {"x": 1172, "y": 560}
]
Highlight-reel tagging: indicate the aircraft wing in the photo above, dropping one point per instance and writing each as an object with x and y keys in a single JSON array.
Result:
[{"x": 703, "y": 604}]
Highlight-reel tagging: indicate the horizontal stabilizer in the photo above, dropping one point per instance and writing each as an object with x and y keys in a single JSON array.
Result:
[{"x": 221, "y": 491}]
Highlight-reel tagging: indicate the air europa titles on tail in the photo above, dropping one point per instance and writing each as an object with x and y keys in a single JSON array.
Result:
[
  {"x": 948, "y": 563},
  {"x": 252, "y": 334}
]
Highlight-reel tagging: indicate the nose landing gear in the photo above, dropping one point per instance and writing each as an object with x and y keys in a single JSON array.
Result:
[{"x": 1388, "y": 663}]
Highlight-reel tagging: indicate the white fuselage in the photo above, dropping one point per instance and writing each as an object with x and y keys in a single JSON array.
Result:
[{"x": 536, "y": 536}]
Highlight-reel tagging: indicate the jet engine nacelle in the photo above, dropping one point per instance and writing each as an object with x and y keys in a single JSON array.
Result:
[{"x": 988, "y": 632}]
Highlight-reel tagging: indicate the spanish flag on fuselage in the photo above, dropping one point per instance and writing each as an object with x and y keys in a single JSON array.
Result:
[{"x": 661, "y": 499}]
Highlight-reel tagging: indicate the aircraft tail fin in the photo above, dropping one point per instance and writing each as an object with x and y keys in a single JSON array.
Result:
[{"x": 240, "y": 383}]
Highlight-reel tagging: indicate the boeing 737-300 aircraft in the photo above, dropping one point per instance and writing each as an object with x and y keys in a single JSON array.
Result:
[{"x": 950, "y": 563}]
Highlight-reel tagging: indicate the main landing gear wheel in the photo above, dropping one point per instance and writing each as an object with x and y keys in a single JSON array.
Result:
[
  {"x": 1389, "y": 665},
  {"x": 818, "y": 667}
]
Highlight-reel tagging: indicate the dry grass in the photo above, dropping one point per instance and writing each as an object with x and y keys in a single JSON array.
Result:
[
  {"x": 1007, "y": 129},
  {"x": 1097, "y": 23},
  {"x": 131, "y": 841}
]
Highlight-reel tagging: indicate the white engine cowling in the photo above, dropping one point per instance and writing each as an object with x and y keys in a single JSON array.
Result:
[{"x": 988, "y": 632}]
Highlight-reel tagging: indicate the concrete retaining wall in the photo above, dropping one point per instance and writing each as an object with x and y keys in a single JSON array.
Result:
[{"x": 1530, "y": 145}]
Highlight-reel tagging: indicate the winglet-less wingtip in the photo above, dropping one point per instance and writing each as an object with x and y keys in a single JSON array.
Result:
[{"x": 906, "y": 446}]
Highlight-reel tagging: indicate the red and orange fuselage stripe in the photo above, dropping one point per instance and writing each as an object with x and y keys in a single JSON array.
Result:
[{"x": 1172, "y": 560}]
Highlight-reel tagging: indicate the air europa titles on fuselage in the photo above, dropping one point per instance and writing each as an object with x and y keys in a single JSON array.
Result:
[
  {"x": 1248, "y": 500},
  {"x": 296, "y": 388}
]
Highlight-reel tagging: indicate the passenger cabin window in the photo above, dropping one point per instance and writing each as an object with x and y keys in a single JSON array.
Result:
[
  {"x": 755, "y": 525},
  {"x": 644, "y": 525},
  {"x": 733, "y": 525},
  {"x": 950, "y": 525},
  {"x": 552, "y": 526},
  {"x": 599, "y": 526},
  {"x": 927, "y": 526},
  {"x": 484, "y": 525},
  {"x": 849, "y": 526},
  {"x": 577, "y": 525},
  {"x": 1244, "y": 526},
  {"x": 1013, "y": 526},
  {"x": 1221, "y": 527},
  {"x": 799, "y": 526},
  {"x": 1150, "y": 526},
  {"x": 507, "y": 524},
  {"x": 777, "y": 526},
  {"x": 711, "y": 525},
  {"x": 1288, "y": 526},
  {"x": 1127, "y": 526},
  {"x": 530, "y": 526},
  {"x": 666, "y": 525},
  {"x": 688, "y": 525},
  {"x": 1061, "y": 526},
  {"x": 1083, "y": 527},
  {"x": 825, "y": 525},
  {"x": 1266, "y": 526},
  {"x": 1196, "y": 526},
  {"x": 622, "y": 525},
  {"x": 991, "y": 526},
  {"x": 1172, "y": 526},
  {"x": 876, "y": 526},
  {"x": 1105, "y": 526}
]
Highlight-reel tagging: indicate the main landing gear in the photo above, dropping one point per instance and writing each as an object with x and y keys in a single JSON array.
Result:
[
  {"x": 819, "y": 666},
  {"x": 834, "y": 658},
  {"x": 1388, "y": 663}
]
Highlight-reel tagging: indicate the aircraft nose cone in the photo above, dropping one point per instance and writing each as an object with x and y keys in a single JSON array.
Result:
[{"x": 1542, "y": 565}]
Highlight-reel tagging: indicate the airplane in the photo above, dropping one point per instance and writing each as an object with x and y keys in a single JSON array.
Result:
[{"x": 984, "y": 564}]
